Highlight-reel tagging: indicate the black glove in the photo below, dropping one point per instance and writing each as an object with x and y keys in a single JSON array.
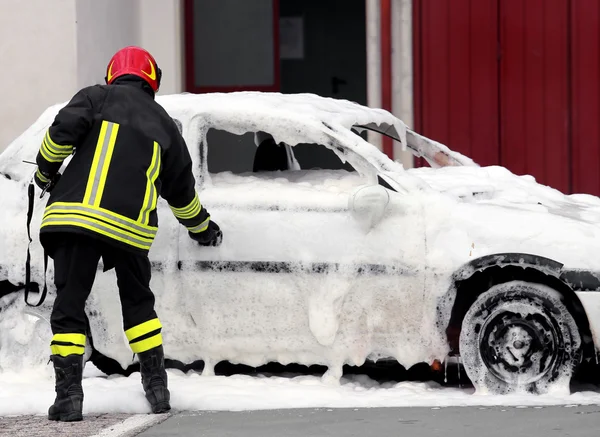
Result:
[
  {"x": 46, "y": 181},
  {"x": 212, "y": 236}
]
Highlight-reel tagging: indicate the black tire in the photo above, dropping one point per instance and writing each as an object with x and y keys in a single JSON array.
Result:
[
  {"x": 519, "y": 336},
  {"x": 112, "y": 367}
]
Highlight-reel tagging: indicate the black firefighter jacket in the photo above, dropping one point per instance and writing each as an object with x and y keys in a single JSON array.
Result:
[{"x": 127, "y": 151}]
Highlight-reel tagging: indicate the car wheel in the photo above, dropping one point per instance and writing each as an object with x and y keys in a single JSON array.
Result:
[{"x": 519, "y": 336}]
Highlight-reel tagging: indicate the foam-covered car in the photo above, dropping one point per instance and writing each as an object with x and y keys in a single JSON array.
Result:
[{"x": 334, "y": 254}]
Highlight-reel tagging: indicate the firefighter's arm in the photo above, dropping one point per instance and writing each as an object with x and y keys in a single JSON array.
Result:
[
  {"x": 180, "y": 192},
  {"x": 70, "y": 126},
  {"x": 185, "y": 204}
]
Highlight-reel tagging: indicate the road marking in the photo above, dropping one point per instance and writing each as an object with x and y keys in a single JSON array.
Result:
[{"x": 133, "y": 425}]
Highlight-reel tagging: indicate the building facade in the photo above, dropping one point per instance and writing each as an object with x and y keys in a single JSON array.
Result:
[
  {"x": 51, "y": 49},
  {"x": 330, "y": 48},
  {"x": 507, "y": 82},
  {"x": 513, "y": 82}
]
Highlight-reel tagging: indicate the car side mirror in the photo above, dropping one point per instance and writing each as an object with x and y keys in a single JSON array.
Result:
[{"x": 368, "y": 205}]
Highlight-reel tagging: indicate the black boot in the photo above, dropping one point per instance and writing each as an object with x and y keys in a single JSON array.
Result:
[
  {"x": 154, "y": 379},
  {"x": 68, "y": 406}
]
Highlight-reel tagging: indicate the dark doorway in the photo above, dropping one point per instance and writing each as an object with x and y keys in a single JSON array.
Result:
[
  {"x": 231, "y": 45},
  {"x": 331, "y": 58},
  {"x": 291, "y": 46}
]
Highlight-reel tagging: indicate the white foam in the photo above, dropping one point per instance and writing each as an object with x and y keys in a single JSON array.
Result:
[
  {"x": 32, "y": 392},
  {"x": 440, "y": 220}
]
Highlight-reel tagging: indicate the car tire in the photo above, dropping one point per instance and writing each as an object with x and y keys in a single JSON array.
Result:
[
  {"x": 110, "y": 366},
  {"x": 519, "y": 337}
]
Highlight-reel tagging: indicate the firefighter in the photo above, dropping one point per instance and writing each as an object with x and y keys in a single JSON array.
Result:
[{"x": 126, "y": 151}]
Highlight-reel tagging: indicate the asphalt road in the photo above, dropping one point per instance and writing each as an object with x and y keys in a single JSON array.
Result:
[{"x": 415, "y": 422}]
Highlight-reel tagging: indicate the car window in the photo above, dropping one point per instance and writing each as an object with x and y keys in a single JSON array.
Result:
[
  {"x": 258, "y": 153},
  {"x": 275, "y": 176}
]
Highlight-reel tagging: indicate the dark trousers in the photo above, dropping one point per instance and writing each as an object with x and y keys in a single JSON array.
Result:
[{"x": 76, "y": 261}]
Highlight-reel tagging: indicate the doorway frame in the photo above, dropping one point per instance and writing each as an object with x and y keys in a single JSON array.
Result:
[{"x": 190, "y": 86}]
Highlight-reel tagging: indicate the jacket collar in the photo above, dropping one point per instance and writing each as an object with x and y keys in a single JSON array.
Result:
[{"x": 134, "y": 81}]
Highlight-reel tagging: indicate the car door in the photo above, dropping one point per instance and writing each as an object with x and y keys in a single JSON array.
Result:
[{"x": 303, "y": 273}]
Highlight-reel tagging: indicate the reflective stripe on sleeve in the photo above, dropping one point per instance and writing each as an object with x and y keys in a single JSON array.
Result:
[
  {"x": 53, "y": 152},
  {"x": 189, "y": 211},
  {"x": 199, "y": 228},
  {"x": 41, "y": 177}
]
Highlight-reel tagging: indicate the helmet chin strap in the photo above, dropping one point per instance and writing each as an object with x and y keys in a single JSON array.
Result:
[{"x": 158, "y": 77}]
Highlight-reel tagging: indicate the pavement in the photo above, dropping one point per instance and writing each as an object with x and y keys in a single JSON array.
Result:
[
  {"x": 572, "y": 421},
  {"x": 93, "y": 425},
  {"x": 414, "y": 422}
]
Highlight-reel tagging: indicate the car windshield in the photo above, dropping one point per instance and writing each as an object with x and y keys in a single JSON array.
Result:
[{"x": 436, "y": 154}]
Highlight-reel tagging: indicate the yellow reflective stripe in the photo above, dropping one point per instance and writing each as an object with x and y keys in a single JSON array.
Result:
[
  {"x": 193, "y": 213},
  {"x": 150, "y": 198},
  {"x": 99, "y": 227},
  {"x": 199, "y": 228},
  {"x": 63, "y": 351},
  {"x": 48, "y": 157},
  {"x": 186, "y": 208},
  {"x": 100, "y": 163},
  {"x": 143, "y": 329},
  {"x": 102, "y": 214},
  {"x": 144, "y": 345},
  {"x": 107, "y": 159},
  {"x": 188, "y": 211},
  {"x": 55, "y": 153},
  {"x": 100, "y": 210},
  {"x": 77, "y": 339},
  {"x": 41, "y": 177},
  {"x": 95, "y": 162},
  {"x": 51, "y": 142},
  {"x": 56, "y": 148}
]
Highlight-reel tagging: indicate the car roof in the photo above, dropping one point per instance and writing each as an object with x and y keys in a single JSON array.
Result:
[
  {"x": 276, "y": 113},
  {"x": 289, "y": 118},
  {"x": 301, "y": 118}
]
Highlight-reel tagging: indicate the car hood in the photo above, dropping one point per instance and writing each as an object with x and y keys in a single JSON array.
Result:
[{"x": 497, "y": 186}]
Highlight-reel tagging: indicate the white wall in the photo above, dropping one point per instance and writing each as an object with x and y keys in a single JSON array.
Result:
[
  {"x": 402, "y": 71},
  {"x": 374, "y": 63},
  {"x": 161, "y": 31},
  {"x": 402, "y": 76},
  {"x": 38, "y": 59},
  {"x": 103, "y": 27},
  {"x": 50, "y": 49}
]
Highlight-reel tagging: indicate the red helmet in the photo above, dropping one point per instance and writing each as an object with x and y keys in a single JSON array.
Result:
[{"x": 137, "y": 61}]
